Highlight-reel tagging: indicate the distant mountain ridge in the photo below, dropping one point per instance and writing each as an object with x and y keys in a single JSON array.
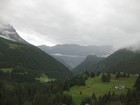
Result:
[
  {"x": 73, "y": 49},
  {"x": 8, "y": 32},
  {"x": 123, "y": 60},
  {"x": 73, "y": 54}
]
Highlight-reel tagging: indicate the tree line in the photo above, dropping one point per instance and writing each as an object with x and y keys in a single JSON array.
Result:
[{"x": 21, "y": 88}]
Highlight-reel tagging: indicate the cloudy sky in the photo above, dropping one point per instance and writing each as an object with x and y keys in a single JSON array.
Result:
[{"x": 84, "y": 22}]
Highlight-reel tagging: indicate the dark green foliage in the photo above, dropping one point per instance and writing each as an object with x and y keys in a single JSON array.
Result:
[
  {"x": 66, "y": 86},
  {"x": 33, "y": 94},
  {"x": 113, "y": 94},
  {"x": 98, "y": 73},
  {"x": 118, "y": 75},
  {"x": 94, "y": 98},
  {"x": 92, "y": 74},
  {"x": 120, "y": 61},
  {"x": 137, "y": 84},
  {"x": 67, "y": 99},
  {"x": 132, "y": 98},
  {"x": 104, "y": 100},
  {"x": 20, "y": 75},
  {"x": 87, "y": 101},
  {"x": 106, "y": 77},
  {"x": 103, "y": 77},
  {"x": 87, "y": 73},
  {"x": 77, "y": 80},
  {"x": 131, "y": 65},
  {"x": 30, "y": 57},
  {"x": 122, "y": 75},
  {"x": 128, "y": 75}
]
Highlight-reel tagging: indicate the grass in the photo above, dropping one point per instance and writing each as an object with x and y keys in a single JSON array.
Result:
[
  {"x": 44, "y": 78},
  {"x": 14, "y": 46},
  {"x": 6, "y": 70},
  {"x": 99, "y": 88}
]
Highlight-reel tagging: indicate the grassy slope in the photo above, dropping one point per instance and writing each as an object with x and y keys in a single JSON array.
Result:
[
  {"x": 99, "y": 88},
  {"x": 6, "y": 70}
]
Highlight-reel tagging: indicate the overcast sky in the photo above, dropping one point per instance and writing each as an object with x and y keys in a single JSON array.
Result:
[{"x": 84, "y": 22}]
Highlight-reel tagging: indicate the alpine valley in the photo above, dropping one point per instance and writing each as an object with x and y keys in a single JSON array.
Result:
[{"x": 67, "y": 74}]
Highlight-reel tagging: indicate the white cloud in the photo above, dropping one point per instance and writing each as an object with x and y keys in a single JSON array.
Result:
[{"x": 85, "y": 22}]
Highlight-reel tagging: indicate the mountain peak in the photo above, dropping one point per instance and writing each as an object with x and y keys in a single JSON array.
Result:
[{"x": 7, "y": 31}]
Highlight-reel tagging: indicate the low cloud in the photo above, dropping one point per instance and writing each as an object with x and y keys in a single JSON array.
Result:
[{"x": 84, "y": 22}]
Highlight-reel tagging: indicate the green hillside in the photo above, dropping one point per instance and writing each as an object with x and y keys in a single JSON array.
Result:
[
  {"x": 30, "y": 57},
  {"x": 122, "y": 60},
  {"x": 89, "y": 62},
  {"x": 131, "y": 65},
  {"x": 95, "y": 85}
]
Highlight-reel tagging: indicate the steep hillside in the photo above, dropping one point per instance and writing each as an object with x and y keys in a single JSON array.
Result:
[
  {"x": 30, "y": 57},
  {"x": 132, "y": 65},
  {"x": 89, "y": 62},
  {"x": 121, "y": 60}
]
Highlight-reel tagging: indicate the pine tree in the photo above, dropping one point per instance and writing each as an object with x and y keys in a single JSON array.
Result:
[
  {"x": 87, "y": 73},
  {"x": 94, "y": 97},
  {"x": 137, "y": 83},
  {"x": 128, "y": 75},
  {"x": 124, "y": 74},
  {"x": 108, "y": 77},
  {"x": 98, "y": 73},
  {"x": 92, "y": 74},
  {"x": 118, "y": 75},
  {"x": 103, "y": 77}
]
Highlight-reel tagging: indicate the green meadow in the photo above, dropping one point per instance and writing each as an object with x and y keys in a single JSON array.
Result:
[
  {"x": 95, "y": 85},
  {"x": 6, "y": 70},
  {"x": 44, "y": 78}
]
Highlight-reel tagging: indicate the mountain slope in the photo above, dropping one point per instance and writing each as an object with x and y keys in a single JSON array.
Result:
[
  {"x": 131, "y": 65},
  {"x": 8, "y": 32},
  {"x": 89, "y": 62},
  {"x": 30, "y": 57},
  {"x": 122, "y": 60},
  {"x": 73, "y": 54},
  {"x": 61, "y": 61}
]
